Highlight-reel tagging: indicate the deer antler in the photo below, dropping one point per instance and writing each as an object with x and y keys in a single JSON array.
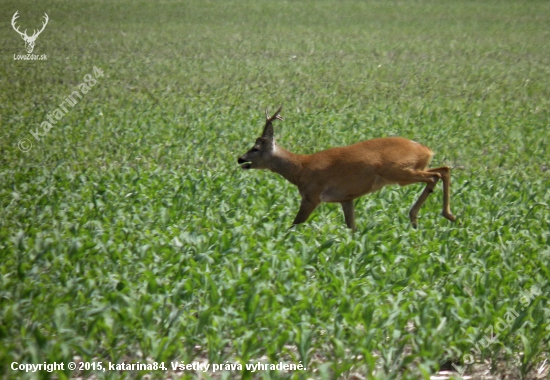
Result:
[
  {"x": 268, "y": 129},
  {"x": 46, "y": 19},
  {"x": 275, "y": 115},
  {"x": 24, "y": 34},
  {"x": 15, "y": 17}
]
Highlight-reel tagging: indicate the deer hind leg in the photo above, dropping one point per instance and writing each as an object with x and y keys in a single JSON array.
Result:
[
  {"x": 410, "y": 177},
  {"x": 443, "y": 173},
  {"x": 306, "y": 208},
  {"x": 413, "y": 214},
  {"x": 349, "y": 214}
]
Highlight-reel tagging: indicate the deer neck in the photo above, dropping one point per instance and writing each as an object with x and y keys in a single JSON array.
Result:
[{"x": 287, "y": 164}]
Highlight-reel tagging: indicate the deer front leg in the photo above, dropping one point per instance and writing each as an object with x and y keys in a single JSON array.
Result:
[
  {"x": 306, "y": 208},
  {"x": 349, "y": 214}
]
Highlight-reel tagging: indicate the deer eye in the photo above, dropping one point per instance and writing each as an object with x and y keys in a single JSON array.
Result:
[{"x": 254, "y": 150}]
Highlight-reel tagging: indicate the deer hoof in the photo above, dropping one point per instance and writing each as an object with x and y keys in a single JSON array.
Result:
[{"x": 449, "y": 216}]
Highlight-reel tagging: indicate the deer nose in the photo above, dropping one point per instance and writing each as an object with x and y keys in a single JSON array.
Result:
[{"x": 241, "y": 161}]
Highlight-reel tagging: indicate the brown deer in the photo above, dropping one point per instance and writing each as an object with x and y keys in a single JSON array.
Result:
[{"x": 345, "y": 173}]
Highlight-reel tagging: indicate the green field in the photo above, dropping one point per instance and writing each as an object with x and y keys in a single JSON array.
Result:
[{"x": 128, "y": 233}]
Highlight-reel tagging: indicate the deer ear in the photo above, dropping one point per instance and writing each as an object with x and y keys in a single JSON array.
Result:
[{"x": 268, "y": 130}]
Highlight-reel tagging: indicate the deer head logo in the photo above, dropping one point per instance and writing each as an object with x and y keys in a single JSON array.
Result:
[{"x": 29, "y": 40}]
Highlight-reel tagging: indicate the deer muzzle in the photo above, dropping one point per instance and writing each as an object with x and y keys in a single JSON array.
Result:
[{"x": 244, "y": 163}]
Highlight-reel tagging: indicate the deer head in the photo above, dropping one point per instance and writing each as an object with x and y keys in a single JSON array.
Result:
[
  {"x": 29, "y": 40},
  {"x": 260, "y": 154}
]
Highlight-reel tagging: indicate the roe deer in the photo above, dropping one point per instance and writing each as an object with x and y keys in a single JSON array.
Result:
[{"x": 345, "y": 173}]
